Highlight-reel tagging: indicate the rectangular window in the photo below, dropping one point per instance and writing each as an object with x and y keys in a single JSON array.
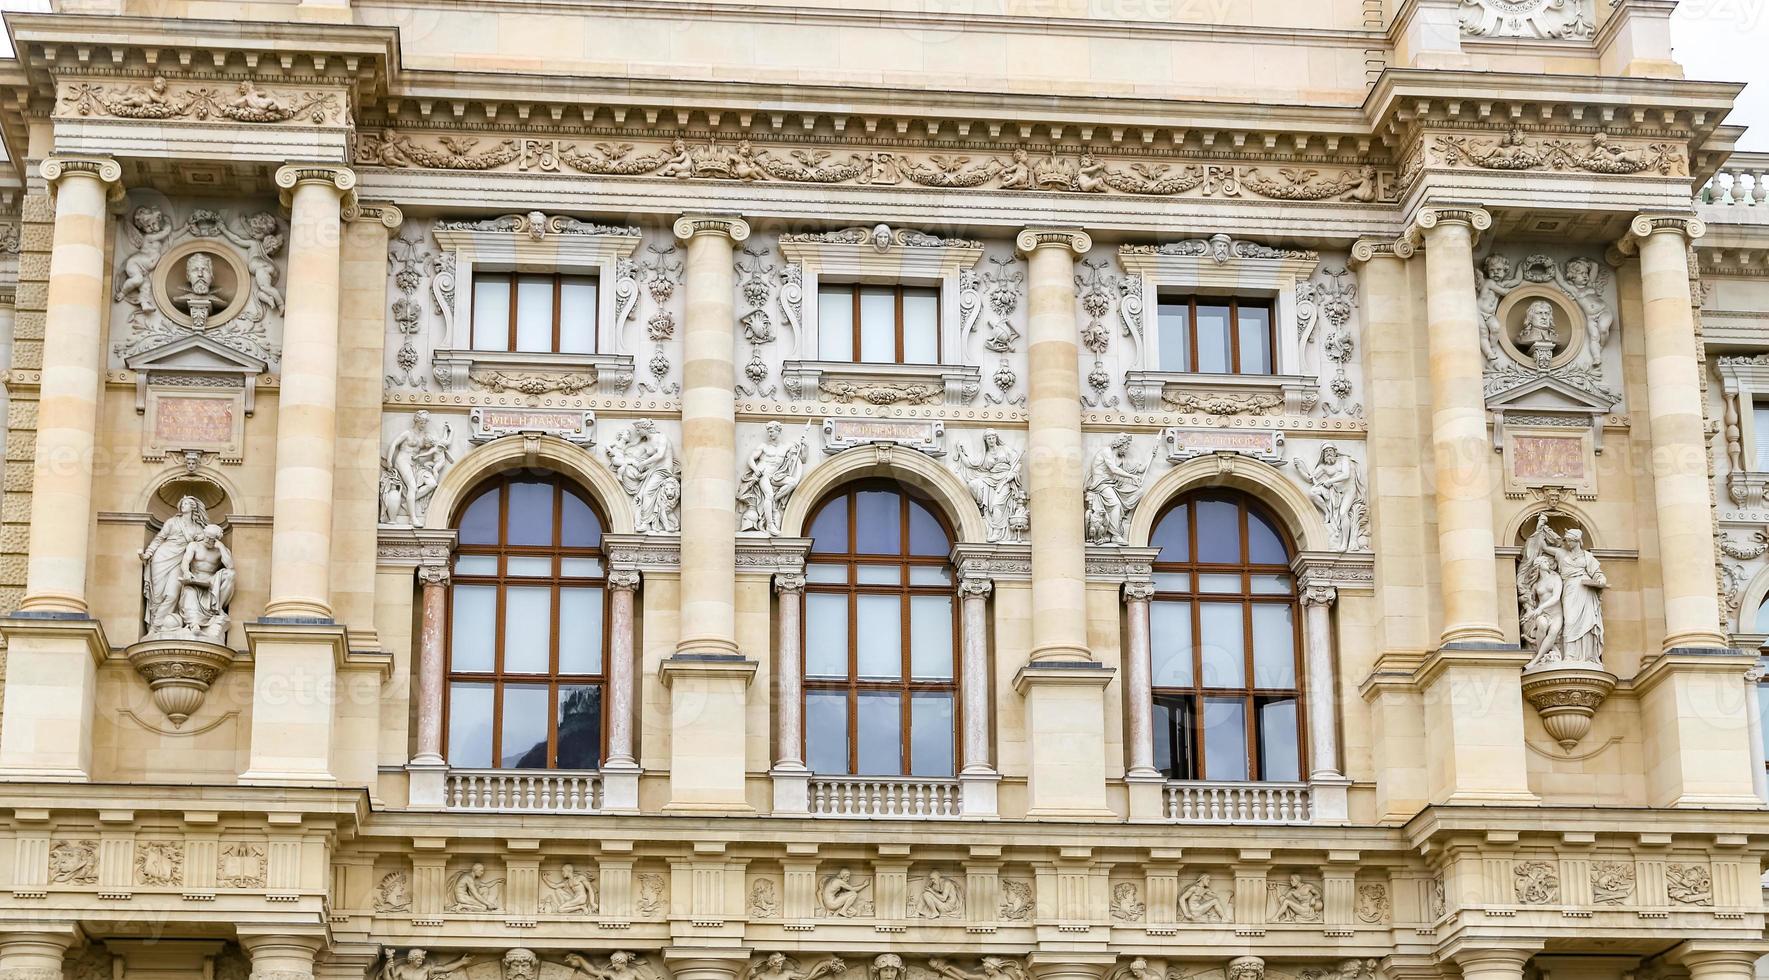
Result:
[
  {"x": 534, "y": 313},
  {"x": 1215, "y": 335},
  {"x": 1175, "y": 751},
  {"x": 878, "y": 324}
]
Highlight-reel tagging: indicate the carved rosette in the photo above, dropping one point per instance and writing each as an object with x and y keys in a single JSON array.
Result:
[
  {"x": 179, "y": 673},
  {"x": 1567, "y": 698}
]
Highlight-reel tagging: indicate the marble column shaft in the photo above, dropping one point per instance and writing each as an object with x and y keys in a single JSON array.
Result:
[
  {"x": 974, "y": 673},
  {"x": 73, "y": 373},
  {"x": 1323, "y": 692},
  {"x": 1679, "y": 458},
  {"x": 307, "y": 401},
  {"x": 623, "y": 587},
  {"x": 1461, "y": 449},
  {"x": 1055, "y": 462},
  {"x": 789, "y": 721},
  {"x": 432, "y": 662},
  {"x": 1139, "y": 692},
  {"x": 709, "y": 436}
]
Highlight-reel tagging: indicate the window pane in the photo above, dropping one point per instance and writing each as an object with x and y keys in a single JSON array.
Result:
[
  {"x": 930, "y": 735},
  {"x": 1760, "y": 420},
  {"x": 491, "y": 313},
  {"x": 1170, "y": 643},
  {"x": 479, "y": 523},
  {"x": 528, "y": 567},
  {"x": 1274, "y": 646},
  {"x": 1175, "y": 345},
  {"x": 878, "y": 574},
  {"x": 580, "y": 631},
  {"x": 1225, "y": 738},
  {"x": 580, "y": 727},
  {"x": 577, "y": 315},
  {"x": 531, "y": 514},
  {"x": 1173, "y": 737},
  {"x": 1224, "y": 649},
  {"x": 878, "y": 523},
  {"x": 835, "y": 323},
  {"x": 930, "y": 575},
  {"x": 579, "y": 525},
  {"x": 473, "y": 627},
  {"x": 878, "y": 629},
  {"x": 469, "y": 725},
  {"x": 1272, "y": 584},
  {"x": 1172, "y": 536},
  {"x": 1213, "y": 339},
  {"x": 534, "y": 313},
  {"x": 837, "y": 574},
  {"x": 1255, "y": 323},
  {"x": 580, "y": 567},
  {"x": 826, "y": 732},
  {"x": 926, "y": 536},
  {"x": 1264, "y": 545},
  {"x": 1279, "y": 753},
  {"x": 524, "y": 727},
  {"x": 1762, "y": 621},
  {"x": 1219, "y": 582},
  {"x": 1173, "y": 581},
  {"x": 528, "y": 623},
  {"x": 1219, "y": 532},
  {"x": 476, "y": 564},
  {"x": 829, "y": 531},
  {"x": 879, "y": 723},
  {"x": 826, "y": 635},
  {"x": 878, "y": 325},
  {"x": 921, "y": 326},
  {"x": 930, "y": 637}
]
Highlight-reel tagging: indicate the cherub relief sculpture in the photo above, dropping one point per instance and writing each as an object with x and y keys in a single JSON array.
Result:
[
  {"x": 148, "y": 231},
  {"x": 1494, "y": 279},
  {"x": 1560, "y": 589},
  {"x": 262, "y": 238}
]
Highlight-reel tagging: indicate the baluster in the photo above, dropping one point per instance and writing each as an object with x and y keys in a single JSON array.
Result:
[{"x": 1759, "y": 188}]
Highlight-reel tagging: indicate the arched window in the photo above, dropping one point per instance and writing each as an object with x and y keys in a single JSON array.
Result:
[
  {"x": 526, "y": 645},
  {"x": 1225, "y": 646},
  {"x": 879, "y": 637}
]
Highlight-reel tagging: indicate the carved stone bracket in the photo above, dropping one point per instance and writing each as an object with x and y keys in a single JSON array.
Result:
[{"x": 179, "y": 673}]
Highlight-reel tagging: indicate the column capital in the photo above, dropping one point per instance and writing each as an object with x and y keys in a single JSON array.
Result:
[
  {"x": 1319, "y": 595},
  {"x": 102, "y": 169},
  {"x": 1729, "y": 957},
  {"x": 789, "y": 584},
  {"x": 975, "y": 587},
  {"x": 727, "y": 225},
  {"x": 1073, "y": 239},
  {"x": 1367, "y": 250},
  {"x": 1646, "y": 225},
  {"x": 1139, "y": 590},
  {"x": 433, "y": 575},
  {"x": 1432, "y": 216},
  {"x": 624, "y": 580},
  {"x": 369, "y": 212},
  {"x": 336, "y": 175},
  {"x": 1495, "y": 957}
]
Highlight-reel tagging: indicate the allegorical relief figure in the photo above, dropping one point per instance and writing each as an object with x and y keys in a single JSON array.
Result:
[
  {"x": 1114, "y": 487},
  {"x": 1560, "y": 590},
  {"x": 412, "y": 469},
  {"x": 1200, "y": 902},
  {"x": 645, "y": 464},
  {"x": 472, "y": 891},
  {"x": 1337, "y": 488},
  {"x": 569, "y": 892},
  {"x": 415, "y": 965},
  {"x": 998, "y": 485},
  {"x": 770, "y": 474}
]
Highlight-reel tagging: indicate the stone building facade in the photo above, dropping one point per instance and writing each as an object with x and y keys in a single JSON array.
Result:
[{"x": 725, "y": 491}]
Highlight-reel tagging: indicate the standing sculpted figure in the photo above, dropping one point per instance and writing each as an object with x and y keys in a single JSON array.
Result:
[
  {"x": 1579, "y": 638},
  {"x": 645, "y": 464},
  {"x": 1494, "y": 279},
  {"x": 148, "y": 230},
  {"x": 163, "y": 562},
  {"x": 261, "y": 238},
  {"x": 773, "y": 470},
  {"x": 415, "y": 966},
  {"x": 416, "y": 460},
  {"x": 998, "y": 486},
  {"x": 1337, "y": 489},
  {"x": 1201, "y": 903},
  {"x": 1114, "y": 486}
]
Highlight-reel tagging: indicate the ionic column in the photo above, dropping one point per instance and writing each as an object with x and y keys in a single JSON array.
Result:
[
  {"x": 73, "y": 372},
  {"x": 1054, "y": 463},
  {"x": 709, "y": 435},
  {"x": 35, "y": 955},
  {"x": 1679, "y": 445},
  {"x": 432, "y": 663},
  {"x": 1706, "y": 962},
  {"x": 1493, "y": 963},
  {"x": 281, "y": 957},
  {"x": 979, "y": 780},
  {"x": 306, "y": 429},
  {"x": 708, "y": 677},
  {"x": 1323, "y": 700},
  {"x": 792, "y": 779},
  {"x": 1461, "y": 450}
]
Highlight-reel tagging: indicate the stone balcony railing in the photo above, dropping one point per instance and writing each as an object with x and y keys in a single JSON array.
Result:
[
  {"x": 1283, "y": 804},
  {"x": 859, "y": 796},
  {"x": 1742, "y": 182},
  {"x": 523, "y": 791}
]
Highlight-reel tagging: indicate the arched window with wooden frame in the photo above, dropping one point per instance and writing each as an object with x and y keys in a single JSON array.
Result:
[
  {"x": 1225, "y": 643},
  {"x": 527, "y": 647},
  {"x": 880, "y": 636}
]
